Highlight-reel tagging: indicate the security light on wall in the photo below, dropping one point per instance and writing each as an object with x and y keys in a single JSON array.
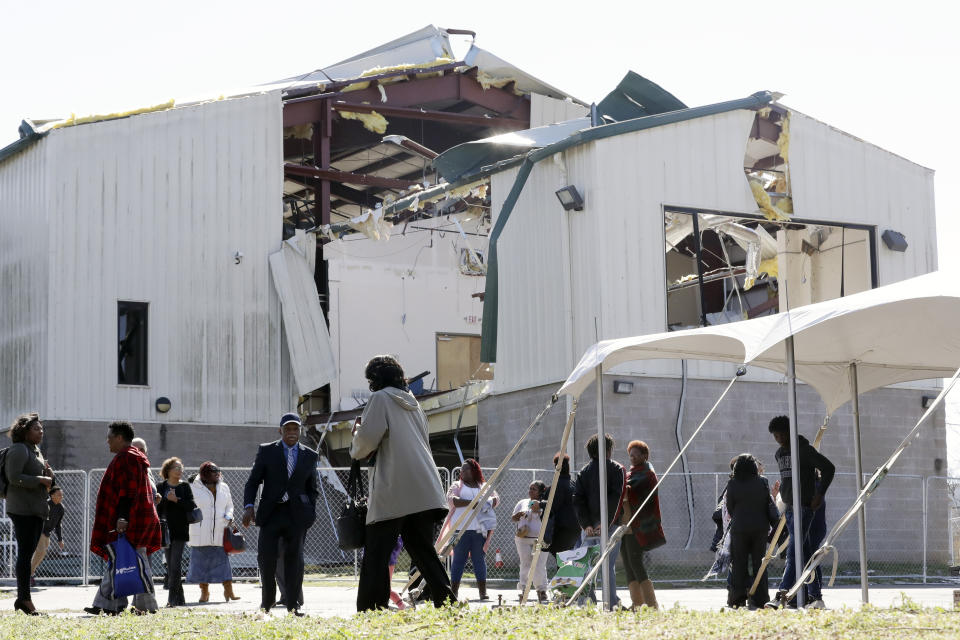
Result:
[
  {"x": 570, "y": 198},
  {"x": 622, "y": 386},
  {"x": 163, "y": 404},
  {"x": 894, "y": 240}
]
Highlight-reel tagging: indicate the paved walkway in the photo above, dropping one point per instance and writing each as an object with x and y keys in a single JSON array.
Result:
[{"x": 340, "y": 600}]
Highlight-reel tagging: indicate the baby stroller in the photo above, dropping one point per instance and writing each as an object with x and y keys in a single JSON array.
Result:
[{"x": 574, "y": 565}]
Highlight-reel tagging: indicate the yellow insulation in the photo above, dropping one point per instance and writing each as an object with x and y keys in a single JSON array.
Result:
[
  {"x": 74, "y": 120},
  {"x": 486, "y": 81},
  {"x": 770, "y": 266},
  {"x": 783, "y": 140},
  {"x": 770, "y": 210},
  {"x": 300, "y": 131},
  {"x": 376, "y": 71},
  {"x": 372, "y": 121}
]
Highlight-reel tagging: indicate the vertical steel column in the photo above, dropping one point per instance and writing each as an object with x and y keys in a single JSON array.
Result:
[
  {"x": 858, "y": 468},
  {"x": 923, "y": 492},
  {"x": 795, "y": 468},
  {"x": 699, "y": 254},
  {"x": 602, "y": 473}
]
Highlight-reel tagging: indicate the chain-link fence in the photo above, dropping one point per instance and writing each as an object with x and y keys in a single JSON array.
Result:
[
  {"x": 911, "y": 529},
  {"x": 64, "y": 558},
  {"x": 323, "y": 558}
]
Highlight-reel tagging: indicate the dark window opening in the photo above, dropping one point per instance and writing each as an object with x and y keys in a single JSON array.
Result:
[
  {"x": 132, "y": 341},
  {"x": 723, "y": 267}
]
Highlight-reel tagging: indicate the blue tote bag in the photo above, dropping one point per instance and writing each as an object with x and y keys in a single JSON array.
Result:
[{"x": 129, "y": 575}]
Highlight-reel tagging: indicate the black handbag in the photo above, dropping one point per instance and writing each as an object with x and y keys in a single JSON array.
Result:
[
  {"x": 164, "y": 534},
  {"x": 194, "y": 516},
  {"x": 352, "y": 522}
]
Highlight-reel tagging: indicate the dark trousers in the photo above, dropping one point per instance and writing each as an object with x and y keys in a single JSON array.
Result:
[
  {"x": 280, "y": 527},
  {"x": 747, "y": 548},
  {"x": 813, "y": 524},
  {"x": 416, "y": 530},
  {"x": 27, "y": 530},
  {"x": 174, "y": 580},
  {"x": 281, "y": 584}
]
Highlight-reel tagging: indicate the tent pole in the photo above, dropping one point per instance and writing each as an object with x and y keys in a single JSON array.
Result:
[
  {"x": 858, "y": 467},
  {"x": 795, "y": 467},
  {"x": 602, "y": 472}
]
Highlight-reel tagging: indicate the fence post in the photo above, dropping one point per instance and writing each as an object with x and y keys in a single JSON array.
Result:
[
  {"x": 84, "y": 551},
  {"x": 924, "y": 493}
]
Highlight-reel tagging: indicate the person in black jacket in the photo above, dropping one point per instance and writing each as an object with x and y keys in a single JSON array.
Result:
[
  {"x": 752, "y": 513},
  {"x": 176, "y": 501},
  {"x": 562, "y": 532},
  {"x": 812, "y": 490},
  {"x": 586, "y": 500}
]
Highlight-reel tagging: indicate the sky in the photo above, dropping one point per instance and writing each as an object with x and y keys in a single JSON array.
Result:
[{"x": 884, "y": 72}]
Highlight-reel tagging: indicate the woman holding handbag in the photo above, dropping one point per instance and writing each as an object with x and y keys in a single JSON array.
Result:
[
  {"x": 29, "y": 480},
  {"x": 208, "y": 558},
  {"x": 406, "y": 496},
  {"x": 176, "y": 502}
]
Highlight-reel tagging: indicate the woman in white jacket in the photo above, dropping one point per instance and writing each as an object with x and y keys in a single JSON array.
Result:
[{"x": 208, "y": 559}]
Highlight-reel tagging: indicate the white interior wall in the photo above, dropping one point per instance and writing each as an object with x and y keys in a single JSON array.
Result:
[{"x": 394, "y": 297}]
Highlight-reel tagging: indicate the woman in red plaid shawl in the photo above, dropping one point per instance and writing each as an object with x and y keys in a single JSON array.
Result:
[
  {"x": 646, "y": 528},
  {"x": 125, "y": 505}
]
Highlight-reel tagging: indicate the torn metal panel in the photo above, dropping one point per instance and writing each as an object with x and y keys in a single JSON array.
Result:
[
  {"x": 308, "y": 340},
  {"x": 497, "y": 70},
  {"x": 636, "y": 97},
  {"x": 471, "y": 157}
]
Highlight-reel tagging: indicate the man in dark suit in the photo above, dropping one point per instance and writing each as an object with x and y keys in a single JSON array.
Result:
[{"x": 288, "y": 472}]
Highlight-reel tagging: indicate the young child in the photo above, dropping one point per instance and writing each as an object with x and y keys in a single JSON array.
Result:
[
  {"x": 53, "y": 524},
  {"x": 752, "y": 514},
  {"x": 394, "y": 555}
]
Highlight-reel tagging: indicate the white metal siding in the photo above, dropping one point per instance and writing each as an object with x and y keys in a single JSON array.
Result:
[
  {"x": 152, "y": 208},
  {"x": 616, "y": 260},
  {"x": 23, "y": 283},
  {"x": 836, "y": 176},
  {"x": 545, "y": 110}
]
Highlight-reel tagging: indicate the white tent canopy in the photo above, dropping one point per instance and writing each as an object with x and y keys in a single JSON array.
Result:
[{"x": 897, "y": 333}]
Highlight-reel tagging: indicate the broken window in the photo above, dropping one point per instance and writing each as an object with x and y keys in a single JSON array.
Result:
[
  {"x": 132, "y": 340},
  {"x": 726, "y": 267}
]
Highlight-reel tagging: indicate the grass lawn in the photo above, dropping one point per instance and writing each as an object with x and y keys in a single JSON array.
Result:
[{"x": 549, "y": 623}]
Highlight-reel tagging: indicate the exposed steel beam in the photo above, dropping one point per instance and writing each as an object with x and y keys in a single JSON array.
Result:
[
  {"x": 436, "y": 116},
  {"x": 346, "y": 177},
  {"x": 455, "y": 87}
]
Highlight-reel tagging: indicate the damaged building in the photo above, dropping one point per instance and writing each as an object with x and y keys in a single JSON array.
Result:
[
  {"x": 652, "y": 216},
  {"x": 201, "y": 268}
]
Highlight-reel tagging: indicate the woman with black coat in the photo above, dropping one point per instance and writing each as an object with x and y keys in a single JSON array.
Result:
[
  {"x": 29, "y": 479},
  {"x": 176, "y": 501},
  {"x": 562, "y": 532},
  {"x": 752, "y": 514}
]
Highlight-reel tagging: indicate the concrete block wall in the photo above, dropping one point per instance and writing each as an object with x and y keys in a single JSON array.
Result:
[
  {"x": 895, "y": 513},
  {"x": 83, "y": 444}
]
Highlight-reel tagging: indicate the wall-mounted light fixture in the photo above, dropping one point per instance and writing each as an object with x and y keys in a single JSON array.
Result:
[
  {"x": 926, "y": 400},
  {"x": 894, "y": 240},
  {"x": 163, "y": 404},
  {"x": 570, "y": 198},
  {"x": 622, "y": 386}
]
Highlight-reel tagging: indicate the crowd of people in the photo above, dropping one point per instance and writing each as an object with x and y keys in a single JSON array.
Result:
[{"x": 406, "y": 505}]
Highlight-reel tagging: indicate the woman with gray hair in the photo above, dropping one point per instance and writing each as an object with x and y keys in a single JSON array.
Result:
[
  {"x": 29, "y": 480},
  {"x": 406, "y": 497}
]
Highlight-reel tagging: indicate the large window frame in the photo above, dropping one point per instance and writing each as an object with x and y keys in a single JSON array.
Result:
[
  {"x": 133, "y": 343},
  {"x": 871, "y": 231}
]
